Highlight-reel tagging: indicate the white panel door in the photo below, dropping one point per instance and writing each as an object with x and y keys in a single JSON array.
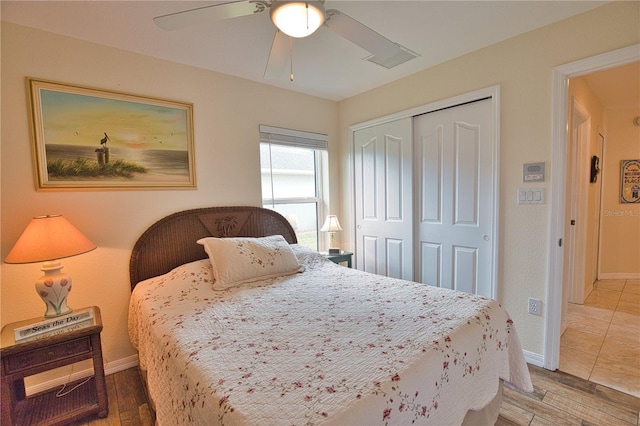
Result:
[
  {"x": 383, "y": 193},
  {"x": 455, "y": 196}
]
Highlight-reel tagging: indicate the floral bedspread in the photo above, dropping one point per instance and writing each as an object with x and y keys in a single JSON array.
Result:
[{"x": 331, "y": 345}]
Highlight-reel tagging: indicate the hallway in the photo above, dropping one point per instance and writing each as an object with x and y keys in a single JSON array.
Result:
[{"x": 602, "y": 339}]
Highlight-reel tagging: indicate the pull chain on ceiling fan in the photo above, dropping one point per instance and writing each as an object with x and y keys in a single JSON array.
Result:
[
  {"x": 291, "y": 58},
  {"x": 294, "y": 19}
]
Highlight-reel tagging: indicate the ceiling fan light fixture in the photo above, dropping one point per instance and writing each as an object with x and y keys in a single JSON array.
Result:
[{"x": 297, "y": 18}]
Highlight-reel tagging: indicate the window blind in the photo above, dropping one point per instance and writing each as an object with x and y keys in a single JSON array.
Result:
[{"x": 295, "y": 138}]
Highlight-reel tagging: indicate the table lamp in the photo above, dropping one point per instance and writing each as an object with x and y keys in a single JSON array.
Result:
[
  {"x": 331, "y": 225},
  {"x": 47, "y": 239}
]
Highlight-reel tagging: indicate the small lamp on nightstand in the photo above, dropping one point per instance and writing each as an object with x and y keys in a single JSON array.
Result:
[
  {"x": 49, "y": 238},
  {"x": 331, "y": 225}
]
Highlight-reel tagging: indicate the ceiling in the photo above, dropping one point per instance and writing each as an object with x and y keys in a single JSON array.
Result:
[{"x": 324, "y": 64}]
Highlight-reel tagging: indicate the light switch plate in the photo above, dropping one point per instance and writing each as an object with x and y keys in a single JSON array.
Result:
[{"x": 530, "y": 195}]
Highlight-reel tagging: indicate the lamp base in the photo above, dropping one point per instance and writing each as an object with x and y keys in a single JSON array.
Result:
[
  {"x": 334, "y": 251},
  {"x": 53, "y": 287}
]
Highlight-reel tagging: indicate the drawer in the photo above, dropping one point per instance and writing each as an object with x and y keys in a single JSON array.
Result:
[{"x": 44, "y": 355}]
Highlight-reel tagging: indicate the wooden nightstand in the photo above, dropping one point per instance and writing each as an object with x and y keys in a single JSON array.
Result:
[
  {"x": 343, "y": 256},
  {"x": 26, "y": 358}
]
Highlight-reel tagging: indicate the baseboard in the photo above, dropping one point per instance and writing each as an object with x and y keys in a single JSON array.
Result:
[
  {"x": 121, "y": 364},
  {"x": 619, "y": 276},
  {"x": 109, "y": 368},
  {"x": 533, "y": 358}
]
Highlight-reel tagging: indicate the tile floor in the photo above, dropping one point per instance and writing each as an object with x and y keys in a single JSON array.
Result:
[{"x": 602, "y": 339}]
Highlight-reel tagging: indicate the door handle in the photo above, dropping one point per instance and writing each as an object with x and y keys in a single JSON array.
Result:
[{"x": 486, "y": 237}]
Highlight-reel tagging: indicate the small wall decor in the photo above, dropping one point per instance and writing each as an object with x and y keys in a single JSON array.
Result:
[
  {"x": 595, "y": 169},
  {"x": 86, "y": 138},
  {"x": 630, "y": 182}
]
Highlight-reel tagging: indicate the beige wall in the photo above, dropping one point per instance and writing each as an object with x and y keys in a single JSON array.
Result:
[
  {"x": 620, "y": 253},
  {"x": 227, "y": 113},
  {"x": 522, "y": 66}
]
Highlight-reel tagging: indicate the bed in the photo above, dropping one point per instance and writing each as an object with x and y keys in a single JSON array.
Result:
[{"x": 235, "y": 323}]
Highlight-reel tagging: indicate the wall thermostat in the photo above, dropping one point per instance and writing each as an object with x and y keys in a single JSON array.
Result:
[{"x": 533, "y": 172}]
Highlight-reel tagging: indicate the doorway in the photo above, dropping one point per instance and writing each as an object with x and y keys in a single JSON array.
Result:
[
  {"x": 556, "y": 312},
  {"x": 600, "y": 342}
]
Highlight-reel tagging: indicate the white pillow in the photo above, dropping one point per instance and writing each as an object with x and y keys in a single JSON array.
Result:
[{"x": 237, "y": 261}]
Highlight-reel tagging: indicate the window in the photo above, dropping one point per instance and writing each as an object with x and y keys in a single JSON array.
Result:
[{"x": 292, "y": 165}]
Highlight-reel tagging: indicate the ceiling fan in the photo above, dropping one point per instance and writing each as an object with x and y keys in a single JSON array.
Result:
[{"x": 294, "y": 19}]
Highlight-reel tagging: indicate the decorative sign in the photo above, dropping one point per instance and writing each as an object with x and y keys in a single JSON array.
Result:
[
  {"x": 630, "y": 182},
  {"x": 52, "y": 324}
]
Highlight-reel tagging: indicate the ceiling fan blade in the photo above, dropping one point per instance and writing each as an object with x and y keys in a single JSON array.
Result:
[
  {"x": 361, "y": 35},
  {"x": 174, "y": 21},
  {"x": 278, "y": 57}
]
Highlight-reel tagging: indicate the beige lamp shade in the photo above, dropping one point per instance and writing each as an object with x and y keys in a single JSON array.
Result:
[
  {"x": 48, "y": 238},
  {"x": 331, "y": 224}
]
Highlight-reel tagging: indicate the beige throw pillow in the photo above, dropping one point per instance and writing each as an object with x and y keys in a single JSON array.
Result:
[{"x": 237, "y": 261}]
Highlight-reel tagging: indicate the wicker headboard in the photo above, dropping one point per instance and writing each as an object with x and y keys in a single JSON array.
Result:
[{"x": 171, "y": 241}]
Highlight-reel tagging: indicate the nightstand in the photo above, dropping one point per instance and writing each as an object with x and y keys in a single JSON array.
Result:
[
  {"x": 45, "y": 352},
  {"x": 343, "y": 256}
]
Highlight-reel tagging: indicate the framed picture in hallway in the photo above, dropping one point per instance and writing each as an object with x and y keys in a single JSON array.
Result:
[
  {"x": 86, "y": 138},
  {"x": 630, "y": 182}
]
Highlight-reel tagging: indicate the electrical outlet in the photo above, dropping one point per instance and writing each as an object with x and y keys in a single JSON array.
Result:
[{"x": 535, "y": 306}]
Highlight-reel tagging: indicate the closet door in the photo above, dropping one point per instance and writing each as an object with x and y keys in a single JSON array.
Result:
[
  {"x": 455, "y": 179},
  {"x": 383, "y": 194}
]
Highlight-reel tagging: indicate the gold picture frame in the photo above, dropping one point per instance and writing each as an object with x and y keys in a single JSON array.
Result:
[{"x": 85, "y": 138}]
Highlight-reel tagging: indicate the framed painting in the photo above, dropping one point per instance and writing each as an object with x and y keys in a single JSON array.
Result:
[{"x": 85, "y": 138}]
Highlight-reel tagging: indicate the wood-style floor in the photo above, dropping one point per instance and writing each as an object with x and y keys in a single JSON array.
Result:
[
  {"x": 558, "y": 399},
  {"x": 562, "y": 399},
  {"x": 127, "y": 402}
]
